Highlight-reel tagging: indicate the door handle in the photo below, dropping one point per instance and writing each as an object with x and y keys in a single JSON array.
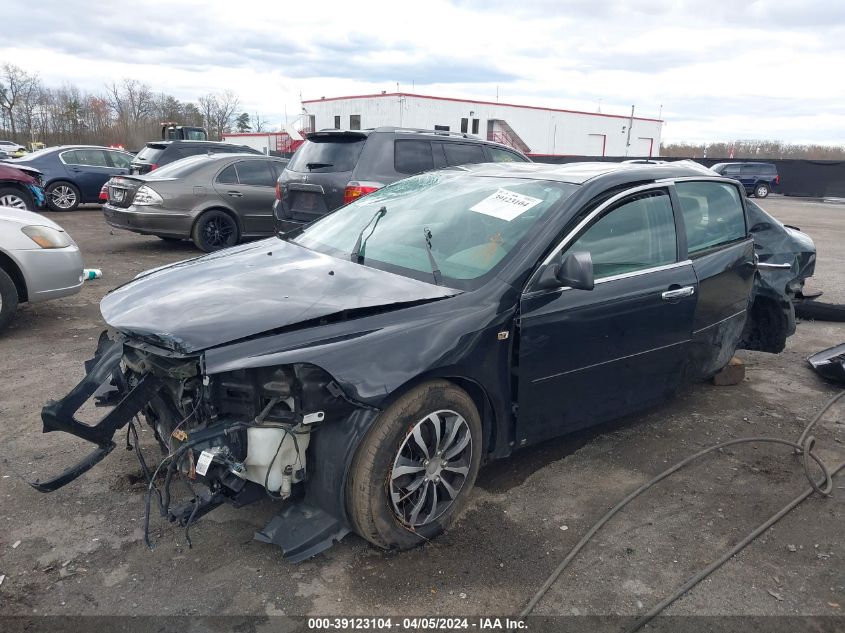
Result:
[
  {"x": 768, "y": 265},
  {"x": 235, "y": 194},
  {"x": 678, "y": 293}
]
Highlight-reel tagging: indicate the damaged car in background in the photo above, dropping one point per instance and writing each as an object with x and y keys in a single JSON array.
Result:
[{"x": 362, "y": 367}]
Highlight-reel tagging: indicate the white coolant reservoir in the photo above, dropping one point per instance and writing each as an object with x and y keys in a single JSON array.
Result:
[{"x": 263, "y": 444}]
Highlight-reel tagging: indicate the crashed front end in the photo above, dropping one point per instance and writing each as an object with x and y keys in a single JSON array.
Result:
[{"x": 235, "y": 437}]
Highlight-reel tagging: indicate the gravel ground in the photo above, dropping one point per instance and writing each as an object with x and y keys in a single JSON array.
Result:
[{"x": 79, "y": 551}]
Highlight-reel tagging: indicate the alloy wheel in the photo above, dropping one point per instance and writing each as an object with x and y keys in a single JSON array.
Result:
[
  {"x": 11, "y": 200},
  {"x": 430, "y": 468},
  {"x": 63, "y": 197},
  {"x": 218, "y": 232}
]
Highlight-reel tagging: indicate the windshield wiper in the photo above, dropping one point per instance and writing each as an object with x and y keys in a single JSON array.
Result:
[
  {"x": 361, "y": 244},
  {"x": 311, "y": 166},
  {"x": 435, "y": 271}
]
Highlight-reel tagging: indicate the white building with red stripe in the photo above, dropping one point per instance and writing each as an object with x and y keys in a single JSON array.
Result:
[{"x": 535, "y": 131}]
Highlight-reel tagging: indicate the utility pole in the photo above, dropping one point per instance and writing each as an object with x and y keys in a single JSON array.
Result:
[{"x": 630, "y": 125}]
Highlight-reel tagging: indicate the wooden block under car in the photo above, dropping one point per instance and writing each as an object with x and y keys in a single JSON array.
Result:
[{"x": 731, "y": 374}]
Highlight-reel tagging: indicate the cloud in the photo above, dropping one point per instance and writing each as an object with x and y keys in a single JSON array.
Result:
[{"x": 762, "y": 67}]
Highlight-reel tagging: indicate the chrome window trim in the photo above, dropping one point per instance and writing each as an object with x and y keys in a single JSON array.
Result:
[
  {"x": 62, "y": 158},
  {"x": 569, "y": 237},
  {"x": 633, "y": 273}
]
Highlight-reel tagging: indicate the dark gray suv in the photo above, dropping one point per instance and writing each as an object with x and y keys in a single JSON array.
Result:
[
  {"x": 335, "y": 167},
  {"x": 158, "y": 153}
]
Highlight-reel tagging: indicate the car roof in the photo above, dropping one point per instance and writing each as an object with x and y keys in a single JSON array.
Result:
[
  {"x": 188, "y": 142},
  {"x": 439, "y": 134},
  {"x": 580, "y": 173}
]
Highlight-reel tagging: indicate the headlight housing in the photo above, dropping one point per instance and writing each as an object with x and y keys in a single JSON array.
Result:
[
  {"x": 47, "y": 236},
  {"x": 146, "y": 196}
]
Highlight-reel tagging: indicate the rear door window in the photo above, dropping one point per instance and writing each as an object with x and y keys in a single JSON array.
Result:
[
  {"x": 228, "y": 176},
  {"x": 463, "y": 153},
  {"x": 327, "y": 154},
  {"x": 87, "y": 157},
  {"x": 412, "y": 157},
  {"x": 713, "y": 214},
  {"x": 255, "y": 172},
  {"x": 504, "y": 156},
  {"x": 183, "y": 151}
]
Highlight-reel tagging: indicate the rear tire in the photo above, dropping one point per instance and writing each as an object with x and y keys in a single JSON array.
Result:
[
  {"x": 761, "y": 190},
  {"x": 16, "y": 199},
  {"x": 63, "y": 196},
  {"x": 214, "y": 230},
  {"x": 437, "y": 486},
  {"x": 8, "y": 299}
]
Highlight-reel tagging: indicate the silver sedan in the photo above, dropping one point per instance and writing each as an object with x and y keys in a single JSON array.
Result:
[{"x": 38, "y": 261}]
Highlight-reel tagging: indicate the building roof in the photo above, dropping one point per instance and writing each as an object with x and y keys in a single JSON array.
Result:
[{"x": 494, "y": 103}]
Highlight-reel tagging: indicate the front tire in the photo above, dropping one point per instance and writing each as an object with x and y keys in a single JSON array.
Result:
[
  {"x": 214, "y": 230},
  {"x": 414, "y": 470},
  {"x": 8, "y": 299},
  {"x": 63, "y": 196},
  {"x": 761, "y": 190},
  {"x": 16, "y": 199}
]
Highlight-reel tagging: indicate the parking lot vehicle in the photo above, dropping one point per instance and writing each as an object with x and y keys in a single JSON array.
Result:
[
  {"x": 759, "y": 179},
  {"x": 20, "y": 188},
  {"x": 375, "y": 357},
  {"x": 74, "y": 174},
  {"x": 38, "y": 261},
  {"x": 214, "y": 199},
  {"x": 335, "y": 167},
  {"x": 12, "y": 149},
  {"x": 159, "y": 153}
]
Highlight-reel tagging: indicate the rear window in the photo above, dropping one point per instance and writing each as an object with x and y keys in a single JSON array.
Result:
[
  {"x": 412, "y": 157},
  {"x": 328, "y": 154},
  {"x": 149, "y": 154}
]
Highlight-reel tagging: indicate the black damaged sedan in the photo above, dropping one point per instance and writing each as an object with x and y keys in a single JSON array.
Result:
[{"x": 364, "y": 366}]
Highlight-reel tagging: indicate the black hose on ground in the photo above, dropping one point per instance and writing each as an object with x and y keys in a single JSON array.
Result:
[
  {"x": 804, "y": 447},
  {"x": 818, "y": 311}
]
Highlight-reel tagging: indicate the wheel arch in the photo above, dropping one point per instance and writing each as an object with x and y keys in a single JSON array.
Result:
[
  {"x": 473, "y": 388},
  {"x": 10, "y": 267},
  {"x": 216, "y": 206}
]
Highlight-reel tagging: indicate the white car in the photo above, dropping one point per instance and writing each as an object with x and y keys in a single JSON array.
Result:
[
  {"x": 10, "y": 147},
  {"x": 38, "y": 261}
]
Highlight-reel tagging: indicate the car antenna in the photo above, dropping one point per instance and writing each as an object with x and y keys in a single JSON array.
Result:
[
  {"x": 357, "y": 250},
  {"x": 435, "y": 271}
]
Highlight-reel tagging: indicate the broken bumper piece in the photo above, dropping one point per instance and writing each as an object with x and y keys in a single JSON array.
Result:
[
  {"x": 830, "y": 363},
  {"x": 60, "y": 415}
]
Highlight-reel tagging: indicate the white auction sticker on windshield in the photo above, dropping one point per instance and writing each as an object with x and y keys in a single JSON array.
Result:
[{"x": 505, "y": 205}]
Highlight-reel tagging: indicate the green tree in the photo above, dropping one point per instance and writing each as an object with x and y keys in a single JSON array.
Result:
[{"x": 242, "y": 123}]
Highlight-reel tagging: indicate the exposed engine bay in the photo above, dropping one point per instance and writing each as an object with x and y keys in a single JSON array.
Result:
[{"x": 234, "y": 437}]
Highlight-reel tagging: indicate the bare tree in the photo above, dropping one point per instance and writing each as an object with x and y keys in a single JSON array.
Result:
[
  {"x": 132, "y": 103},
  {"x": 16, "y": 87},
  {"x": 259, "y": 124},
  {"x": 218, "y": 112}
]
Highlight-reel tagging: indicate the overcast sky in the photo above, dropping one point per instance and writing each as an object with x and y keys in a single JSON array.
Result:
[{"x": 768, "y": 69}]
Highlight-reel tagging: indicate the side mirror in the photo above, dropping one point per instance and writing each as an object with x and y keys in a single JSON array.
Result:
[{"x": 574, "y": 271}]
